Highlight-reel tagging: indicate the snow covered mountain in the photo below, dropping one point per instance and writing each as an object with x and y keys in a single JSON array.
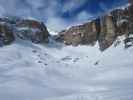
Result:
[{"x": 37, "y": 67}]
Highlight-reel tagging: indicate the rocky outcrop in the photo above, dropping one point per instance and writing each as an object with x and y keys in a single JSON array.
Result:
[
  {"x": 82, "y": 34},
  {"x": 102, "y": 30},
  {"x": 32, "y": 30},
  {"x": 130, "y": 18},
  {"x": 105, "y": 29},
  {"x": 130, "y": 1},
  {"x": 121, "y": 21},
  {"x": 107, "y": 34},
  {"x": 26, "y": 29},
  {"x": 72, "y": 36},
  {"x": 6, "y": 34},
  {"x": 91, "y": 32},
  {"x": 128, "y": 42}
]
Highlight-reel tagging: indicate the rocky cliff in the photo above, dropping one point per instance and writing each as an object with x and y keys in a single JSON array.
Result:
[
  {"x": 26, "y": 29},
  {"x": 6, "y": 34},
  {"x": 104, "y": 29}
]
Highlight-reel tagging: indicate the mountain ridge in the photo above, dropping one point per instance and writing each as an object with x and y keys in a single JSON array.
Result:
[{"x": 104, "y": 29}]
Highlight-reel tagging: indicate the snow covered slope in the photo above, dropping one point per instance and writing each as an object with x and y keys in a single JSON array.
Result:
[{"x": 56, "y": 72}]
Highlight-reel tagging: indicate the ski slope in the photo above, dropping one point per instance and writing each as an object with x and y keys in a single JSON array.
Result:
[{"x": 56, "y": 72}]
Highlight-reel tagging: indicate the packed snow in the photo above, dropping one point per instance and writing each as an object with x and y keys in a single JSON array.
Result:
[{"x": 57, "y": 72}]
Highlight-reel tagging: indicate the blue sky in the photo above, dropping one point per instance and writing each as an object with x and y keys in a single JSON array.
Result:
[{"x": 58, "y": 14}]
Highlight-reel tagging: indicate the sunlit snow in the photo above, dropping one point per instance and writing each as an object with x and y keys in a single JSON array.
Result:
[{"x": 56, "y": 72}]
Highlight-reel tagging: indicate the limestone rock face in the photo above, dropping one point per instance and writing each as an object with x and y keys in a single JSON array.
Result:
[
  {"x": 72, "y": 36},
  {"x": 6, "y": 34},
  {"x": 13, "y": 27},
  {"x": 130, "y": 1},
  {"x": 32, "y": 30},
  {"x": 107, "y": 33},
  {"x": 130, "y": 18},
  {"x": 121, "y": 19},
  {"x": 104, "y": 29},
  {"x": 91, "y": 32},
  {"x": 82, "y": 34},
  {"x": 101, "y": 30}
]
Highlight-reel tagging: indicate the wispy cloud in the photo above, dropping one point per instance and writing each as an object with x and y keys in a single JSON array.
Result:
[{"x": 57, "y": 14}]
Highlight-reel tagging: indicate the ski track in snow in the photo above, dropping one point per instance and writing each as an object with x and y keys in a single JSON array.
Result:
[{"x": 37, "y": 72}]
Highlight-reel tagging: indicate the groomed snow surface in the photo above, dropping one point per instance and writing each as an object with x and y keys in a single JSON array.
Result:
[{"x": 56, "y": 72}]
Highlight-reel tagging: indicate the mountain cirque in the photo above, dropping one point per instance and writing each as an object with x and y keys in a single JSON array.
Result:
[{"x": 104, "y": 29}]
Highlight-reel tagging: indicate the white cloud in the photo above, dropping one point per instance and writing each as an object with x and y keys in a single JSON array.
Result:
[
  {"x": 103, "y": 6},
  {"x": 48, "y": 11},
  {"x": 83, "y": 16},
  {"x": 2, "y": 11},
  {"x": 45, "y": 10},
  {"x": 36, "y": 3},
  {"x": 73, "y": 4},
  {"x": 56, "y": 24}
]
